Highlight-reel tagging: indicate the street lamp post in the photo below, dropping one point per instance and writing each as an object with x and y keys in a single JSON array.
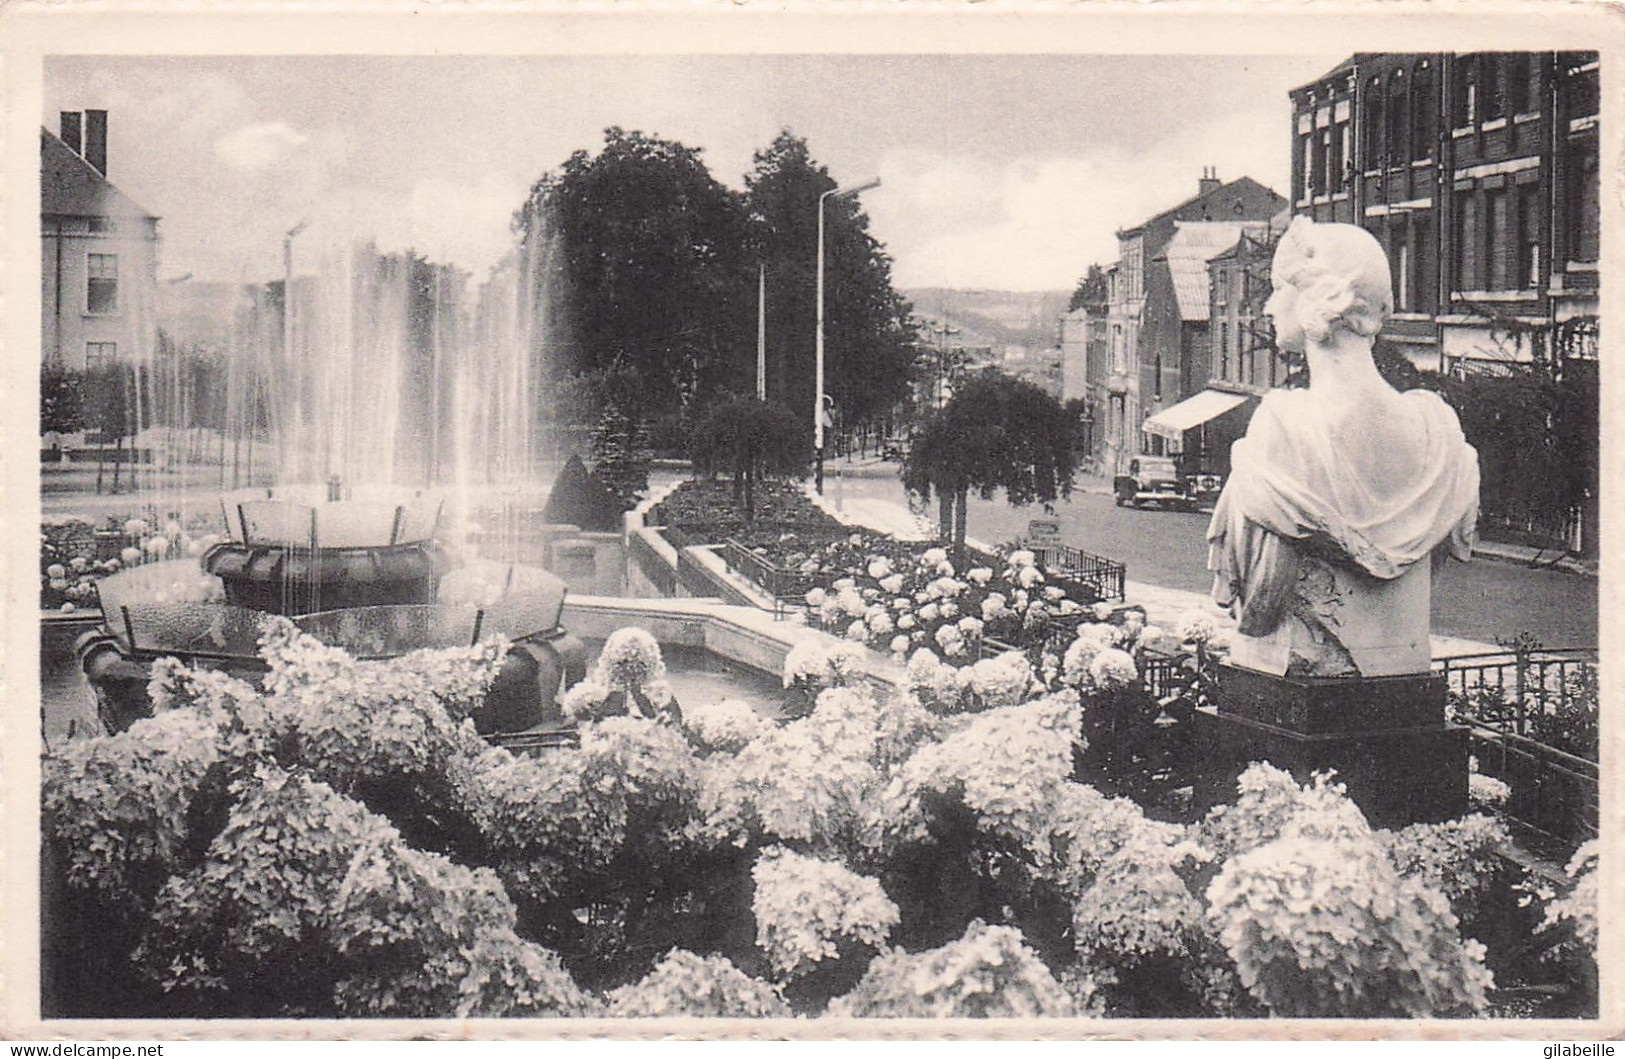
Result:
[{"x": 818, "y": 397}]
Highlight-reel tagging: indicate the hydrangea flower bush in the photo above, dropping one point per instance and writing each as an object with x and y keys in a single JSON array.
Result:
[
  {"x": 899, "y": 597},
  {"x": 338, "y": 841},
  {"x": 75, "y": 553}
]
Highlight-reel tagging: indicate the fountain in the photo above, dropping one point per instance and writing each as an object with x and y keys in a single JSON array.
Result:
[
  {"x": 367, "y": 575},
  {"x": 420, "y": 414}
]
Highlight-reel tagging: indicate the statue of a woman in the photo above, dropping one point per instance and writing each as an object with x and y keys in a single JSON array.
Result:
[{"x": 1339, "y": 491}]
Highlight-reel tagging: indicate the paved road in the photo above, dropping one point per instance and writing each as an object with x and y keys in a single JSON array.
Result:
[{"x": 1487, "y": 600}]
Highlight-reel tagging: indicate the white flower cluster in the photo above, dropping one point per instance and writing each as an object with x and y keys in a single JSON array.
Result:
[
  {"x": 1577, "y": 909},
  {"x": 807, "y": 910},
  {"x": 1093, "y": 660},
  {"x": 629, "y": 660},
  {"x": 988, "y": 973},
  {"x": 726, "y": 725},
  {"x": 698, "y": 987},
  {"x": 1006, "y": 765},
  {"x": 1004, "y": 680},
  {"x": 816, "y": 663},
  {"x": 814, "y": 780},
  {"x": 933, "y": 680},
  {"x": 1319, "y": 920},
  {"x": 1197, "y": 627},
  {"x": 1487, "y": 792},
  {"x": 118, "y": 804}
]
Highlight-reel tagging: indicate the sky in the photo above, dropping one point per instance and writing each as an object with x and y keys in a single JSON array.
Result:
[{"x": 997, "y": 172}]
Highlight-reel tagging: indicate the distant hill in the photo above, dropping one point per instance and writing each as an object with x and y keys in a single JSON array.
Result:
[{"x": 994, "y": 317}]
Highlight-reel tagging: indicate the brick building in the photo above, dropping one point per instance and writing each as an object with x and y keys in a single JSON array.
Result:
[
  {"x": 1479, "y": 175},
  {"x": 1150, "y": 335},
  {"x": 98, "y": 253}
]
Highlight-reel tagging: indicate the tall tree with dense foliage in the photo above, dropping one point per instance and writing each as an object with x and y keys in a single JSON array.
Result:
[
  {"x": 1092, "y": 291},
  {"x": 751, "y": 440},
  {"x": 645, "y": 268},
  {"x": 998, "y": 432},
  {"x": 869, "y": 343},
  {"x": 61, "y": 399},
  {"x": 117, "y": 404}
]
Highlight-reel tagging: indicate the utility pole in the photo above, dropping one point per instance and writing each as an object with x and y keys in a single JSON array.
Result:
[
  {"x": 761, "y": 332},
  {"x": 818, "y": 396}
]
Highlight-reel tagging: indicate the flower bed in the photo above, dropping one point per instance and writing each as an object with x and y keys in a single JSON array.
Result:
[
  {"x": 342, "y": 843},
  {"x": 899, "y": 596},
  {"x": 707, "y": 511},
  {"x": 75, "y": 553}
]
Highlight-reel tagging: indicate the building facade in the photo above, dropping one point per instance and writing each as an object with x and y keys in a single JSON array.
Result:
[
  {"x": 1217, "y": 369},
  {"x": 98, "y": 254},
  {"x": 1479, "y": 175},
  {"x": 1148, "y": 338}
]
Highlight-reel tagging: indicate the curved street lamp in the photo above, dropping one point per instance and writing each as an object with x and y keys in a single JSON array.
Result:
[{"x": 818, "y": 397}]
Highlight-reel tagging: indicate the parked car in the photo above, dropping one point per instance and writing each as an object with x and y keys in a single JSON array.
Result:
[{"x": 1153, "y": 480}]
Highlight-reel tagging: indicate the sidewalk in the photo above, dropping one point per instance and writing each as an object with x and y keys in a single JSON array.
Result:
[{"x": 1166, "y": 607}]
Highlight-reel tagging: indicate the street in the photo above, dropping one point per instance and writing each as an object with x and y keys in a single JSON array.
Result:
[{"x": 1488, "y": 600}]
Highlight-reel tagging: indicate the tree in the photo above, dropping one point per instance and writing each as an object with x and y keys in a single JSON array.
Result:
[
  {"x": 642, "y": 260},
  {"x": 61, "y": 399},
  {"x": 998, "y": 432},
  {"x": 620, "y": 453},
  {"x": 1092, "y": 292},
  {"x": 751, "y": 440},
  {"x": 113, "y": 392},
  {"x": 869, "y": 343}
]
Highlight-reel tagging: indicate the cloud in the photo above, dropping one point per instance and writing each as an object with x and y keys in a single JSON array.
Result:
[
  {"x": 257, "y": 146},
  {"x": 1038, "y": 222}
]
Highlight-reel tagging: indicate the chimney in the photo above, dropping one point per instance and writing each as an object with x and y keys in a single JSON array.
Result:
[
  {"x": 1209, "y": 182},
  {"x": 72, "y": 133},
  {"x": 96, "y": 139}
]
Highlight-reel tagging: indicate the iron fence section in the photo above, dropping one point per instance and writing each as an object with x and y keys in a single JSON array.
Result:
[
  {"x": 1511, "y": 690},
  {"x": 785, "y": 586},
  {"x": 1107, "y": 576}
]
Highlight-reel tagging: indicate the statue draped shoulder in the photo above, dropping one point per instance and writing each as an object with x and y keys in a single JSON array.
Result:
[{"x": 1314, "y": 476}]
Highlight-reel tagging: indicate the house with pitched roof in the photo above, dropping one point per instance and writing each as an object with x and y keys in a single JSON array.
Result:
[
  {"x": 1149, "y": 337},
  {"x": 1211, "y": 409},
  {"x": 98, "y": 253}
]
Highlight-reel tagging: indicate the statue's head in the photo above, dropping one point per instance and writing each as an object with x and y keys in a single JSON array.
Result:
[{"x": 1328, "y": 277}]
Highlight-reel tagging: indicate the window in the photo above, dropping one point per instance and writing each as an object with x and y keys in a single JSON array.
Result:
[
  {"x": 1585, "y": 206},
  {"x": 1397, "y": 136},
  {"x": 1374, "y": 111},
  {"x": 1529, "y": 236},
  {"x": 102, "y": 291},
  {"x": 1323, "y": 149},
  {"x": 1499, "y": 244},
  {"x": 1424, "y": 253},
  {"x": 1306, "y": 144},
  {"x": 1523, "y": 82},
  {"x": 1465, "y": 111},
  {"x": 1423, "y": 125},
  {"x": 99, "y": 354},
  {"x": 1467, "y": 243},
  {"x": 1224, "y": 349},
  {"x": 1402, "y": 271},
  {"x": 1492, "y": 90}
]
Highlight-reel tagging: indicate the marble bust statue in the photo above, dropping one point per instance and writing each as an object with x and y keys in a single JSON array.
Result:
[{"x": 1338, "y": 492}]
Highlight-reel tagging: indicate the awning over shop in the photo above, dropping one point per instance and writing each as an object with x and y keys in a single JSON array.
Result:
[{"x": 1171, "y": 423}]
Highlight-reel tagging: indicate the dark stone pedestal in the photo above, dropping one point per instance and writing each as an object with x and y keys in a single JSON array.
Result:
[{"x": 1386, "y": 738}]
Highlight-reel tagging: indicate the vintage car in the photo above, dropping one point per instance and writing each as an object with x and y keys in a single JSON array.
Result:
[{"x": 1155, "y": 480}]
